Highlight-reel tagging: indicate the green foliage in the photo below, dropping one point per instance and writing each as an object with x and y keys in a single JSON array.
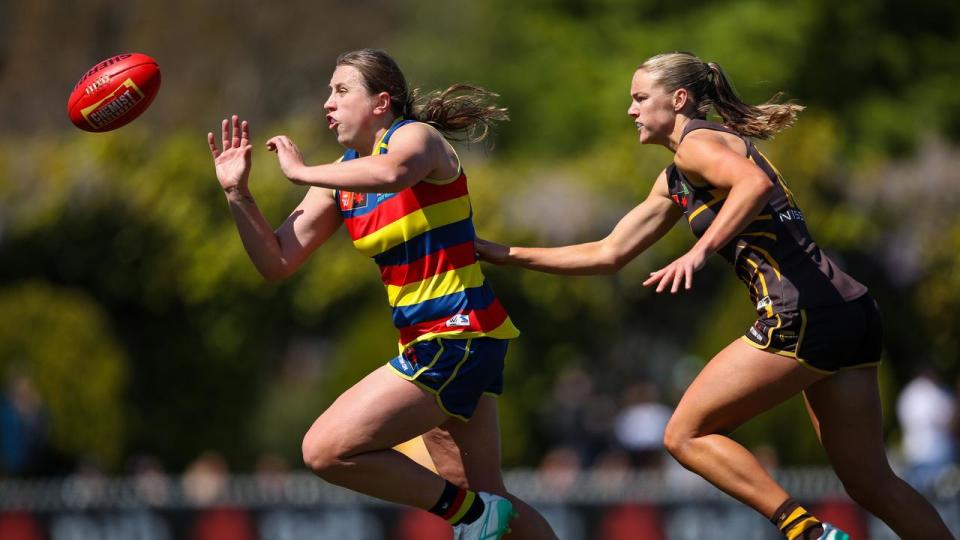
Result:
[
  {"x": 61, "y": 340},
  {"x": 168, "y": 337}
]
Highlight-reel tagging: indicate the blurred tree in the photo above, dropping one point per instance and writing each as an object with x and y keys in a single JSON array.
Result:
[{"x": 63, "y": 342}]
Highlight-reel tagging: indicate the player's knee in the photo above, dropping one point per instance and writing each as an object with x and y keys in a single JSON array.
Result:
[
  {"x": 869, "y": 487},
  {"x": 676, "y": 440},
  {"x": 319, "y": 456}
]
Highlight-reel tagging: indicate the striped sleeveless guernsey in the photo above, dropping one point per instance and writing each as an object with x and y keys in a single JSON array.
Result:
[
  {"x": 774, "y": 255},
  {"x": 422, "y": 238}
]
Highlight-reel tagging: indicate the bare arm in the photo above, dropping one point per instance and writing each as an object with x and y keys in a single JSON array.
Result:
[
  {"x": 416, "y": 152},
  {"x": 721, "y": 167},
  {"x": 276, "y": 254},
  {"x": 635, "y": 232},
  {"x": 704, "y": 156}
]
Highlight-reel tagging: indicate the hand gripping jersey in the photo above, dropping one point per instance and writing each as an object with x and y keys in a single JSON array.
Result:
[
  {"x": 423, "y": 240},
  {"x": 774, "y": 255}
]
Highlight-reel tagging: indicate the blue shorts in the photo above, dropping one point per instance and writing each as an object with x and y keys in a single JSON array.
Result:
[{"x": 457, "y": 371}]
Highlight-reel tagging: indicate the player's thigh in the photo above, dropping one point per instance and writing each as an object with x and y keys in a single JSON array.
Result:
[
  {"x": 468, "y": 453},
  {"x": 739, "y": 383},
  {"x": 379, "y": 412}
]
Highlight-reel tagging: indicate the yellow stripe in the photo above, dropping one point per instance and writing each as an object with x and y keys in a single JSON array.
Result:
[
  {"x": 763, "y": 284},
  {"x": 764, "y": 234},
  {"x": 467, "y": 502},
  {"x": 413, "y": 224},
  {"x": 454, "y": 281},
  {"x": 718, "y": 195},
  {"x": 506, "y": 330},
  {"x": 797, "y": 512},
  {"x": 803, "y": 329},
  {"x": 381, "y": 143},
  {"x": 768, "y": 349},
  {"x": 771, "y": 330},
  {"x": 797, "y": 530},
  {"x": 466, "y": 355},
  {"x": 769, "y": 258},
  {"x": 763, "y": 217}
]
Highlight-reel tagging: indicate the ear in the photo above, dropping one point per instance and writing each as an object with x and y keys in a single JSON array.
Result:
[
  {"x": 381, "y": 103},
  {"x": 681, "y": 98}
]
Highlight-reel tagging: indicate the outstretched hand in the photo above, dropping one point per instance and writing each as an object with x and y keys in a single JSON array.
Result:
[
  {"x": 492, "y": 252},
  {"x": 290, "y": 157},
  {"x": 233, "y": 162},
  {"x": 677, "y": 272}
]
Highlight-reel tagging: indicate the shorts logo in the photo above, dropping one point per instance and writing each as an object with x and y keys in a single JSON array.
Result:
[
  {"x": 411, "y": 354},
  {"x": 459, "y": 320},
  {"x": 352, "y": 201},
  {"x": 756, "y": 334}
]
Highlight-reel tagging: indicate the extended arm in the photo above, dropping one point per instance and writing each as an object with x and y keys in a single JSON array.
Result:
[
  {"x": 704, "y": 157},
  {"x": 416, "y": 152},
  {"x": 276, "y": 254},
  {"x": 635, "y": 232}
]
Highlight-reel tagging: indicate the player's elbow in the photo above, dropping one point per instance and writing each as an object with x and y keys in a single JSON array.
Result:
[
  {"x": 763, "y": 187},
  {"x": 276, "y": 271},
  {"x": 274, "y": 274},
  {"x": 610, "y": 260},
  {"x": 395, "y": 177}
]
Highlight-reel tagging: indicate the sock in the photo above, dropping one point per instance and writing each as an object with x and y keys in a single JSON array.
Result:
[
  {"x": 458, "y": 505},
  {"x": 795, "y": 522}
]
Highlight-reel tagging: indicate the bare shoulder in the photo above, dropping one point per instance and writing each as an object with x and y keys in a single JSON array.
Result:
[
  {"x": 416, "y": 132},
  {"x": 704, "y": 146},
  {"x": 710, "y": 139}
]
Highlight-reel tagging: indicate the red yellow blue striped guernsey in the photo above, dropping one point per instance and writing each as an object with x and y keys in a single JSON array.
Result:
[{"x": 423, "y": 240}]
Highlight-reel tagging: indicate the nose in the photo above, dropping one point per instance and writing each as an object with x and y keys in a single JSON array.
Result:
[
  {"x": 329, "y": 104},
  {"x": 632, "y": 112}
]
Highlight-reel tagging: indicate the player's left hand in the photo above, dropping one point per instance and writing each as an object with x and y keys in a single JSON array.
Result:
[
  {"x": 290, "y": 157},
  {"x": 677, "y": 272}
]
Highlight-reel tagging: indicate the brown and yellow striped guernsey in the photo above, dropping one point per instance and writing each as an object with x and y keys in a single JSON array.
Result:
[{"x": 774, "y": 255}]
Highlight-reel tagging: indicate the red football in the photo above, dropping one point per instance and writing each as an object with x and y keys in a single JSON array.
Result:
[{"x": 114, "y": 92}]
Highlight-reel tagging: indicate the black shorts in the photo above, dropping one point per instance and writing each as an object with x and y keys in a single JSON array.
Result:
[{"x": 825, "y": 339}]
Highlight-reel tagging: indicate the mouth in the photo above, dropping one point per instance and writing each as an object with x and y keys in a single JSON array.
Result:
[
  {"x": 332, "y": 122},
  {"x": 639, "y": 125}
]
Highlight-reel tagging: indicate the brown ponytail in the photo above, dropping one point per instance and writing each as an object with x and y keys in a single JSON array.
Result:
[
  {"x": 709, "y": 86},
  {"x": 461, "y": 112}
]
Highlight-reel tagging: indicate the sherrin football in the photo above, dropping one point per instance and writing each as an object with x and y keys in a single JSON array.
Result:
[{"x": 114, "y": 92}]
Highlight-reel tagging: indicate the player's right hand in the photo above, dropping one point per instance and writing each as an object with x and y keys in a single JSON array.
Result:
[
  {"x": 492, "y": 251},
  {"x": 233, "y": 162}
]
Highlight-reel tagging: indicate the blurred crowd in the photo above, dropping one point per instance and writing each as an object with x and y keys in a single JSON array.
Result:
[
  {"x": 588, "y": 430},
  {"x": 583, "y": 427}
]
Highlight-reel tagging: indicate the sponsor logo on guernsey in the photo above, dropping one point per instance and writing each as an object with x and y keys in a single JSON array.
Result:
[
  {"x": 115, "y": 105},
  {"x": 459, "y": 320},
  {"x": 764, "y": 302},
  {"x": 791, "y": 214},
  {"x": 352, "y": 201},
  {"x": 681, "y": 196}
]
